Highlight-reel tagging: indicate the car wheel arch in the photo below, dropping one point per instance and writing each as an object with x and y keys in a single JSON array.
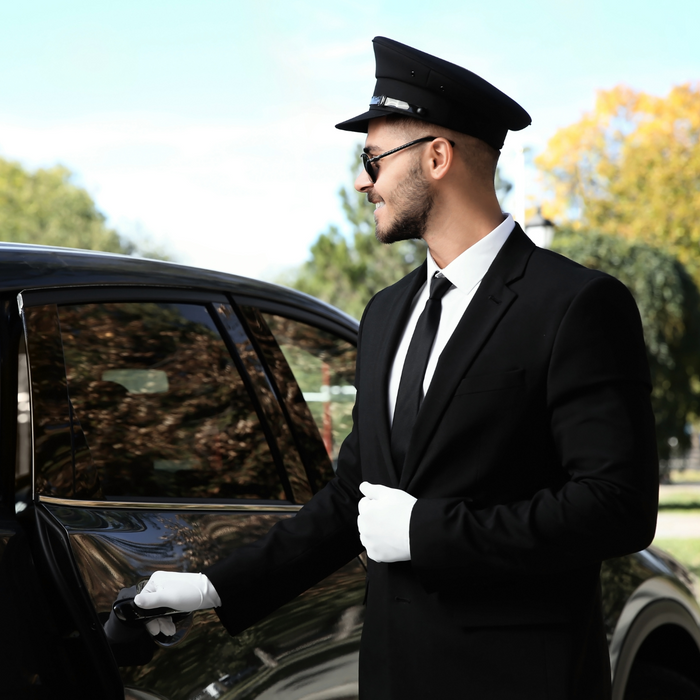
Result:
[{"x": 665, "y": 632}]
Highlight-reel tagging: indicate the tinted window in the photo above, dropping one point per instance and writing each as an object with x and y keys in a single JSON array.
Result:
[
  {"x": 324, "y": 367},
  {"x": 151, "y": 402},
  {"x": 298, "y": 481}
]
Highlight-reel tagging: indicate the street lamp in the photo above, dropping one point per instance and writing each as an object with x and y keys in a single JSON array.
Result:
[{"x": 540, "y": 230}]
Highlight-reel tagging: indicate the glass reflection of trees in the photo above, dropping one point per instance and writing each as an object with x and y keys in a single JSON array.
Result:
[
  {"x": 62, "y": 462},
  {"x": 324, "y": 367},
  {"x": 200, "y": 437},
  {"x": 296, "y": 474}
]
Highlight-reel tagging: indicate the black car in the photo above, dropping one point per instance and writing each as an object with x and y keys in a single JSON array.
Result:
[{"x": 155, "y": 416}]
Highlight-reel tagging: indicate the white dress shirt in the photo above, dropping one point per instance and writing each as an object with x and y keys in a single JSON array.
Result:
[{"x": 465, "y": 272}]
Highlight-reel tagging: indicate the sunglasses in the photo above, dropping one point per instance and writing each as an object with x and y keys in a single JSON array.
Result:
[{"x": 372, "y": 169}]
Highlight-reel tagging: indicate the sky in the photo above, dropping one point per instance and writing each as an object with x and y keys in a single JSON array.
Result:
[{"x": 208, "y": 127}]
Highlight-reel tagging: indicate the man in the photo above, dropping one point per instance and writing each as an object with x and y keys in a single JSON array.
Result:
[{"x": 503, "y": 441}]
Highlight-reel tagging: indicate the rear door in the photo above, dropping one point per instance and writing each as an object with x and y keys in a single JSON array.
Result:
[{"x": 159, "y": 442}]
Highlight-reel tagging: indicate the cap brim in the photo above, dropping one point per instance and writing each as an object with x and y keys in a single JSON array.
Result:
[{"x": 360, "y": 123}]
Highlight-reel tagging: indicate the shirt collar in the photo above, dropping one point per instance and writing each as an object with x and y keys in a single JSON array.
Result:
[{"x": 469, "y": 268}]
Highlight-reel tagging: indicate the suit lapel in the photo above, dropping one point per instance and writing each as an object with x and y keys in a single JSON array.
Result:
[
  {"x": 489, "y": 305},
  {"x": 392, "y": 332}
]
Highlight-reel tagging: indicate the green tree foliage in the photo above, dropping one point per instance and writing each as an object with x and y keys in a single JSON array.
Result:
[
  {"x": 631, "y": 167},
  {"x": 347, "y": 271},
  {"x": 45, "y": 207},
  {"x": 669, "y": 304}
]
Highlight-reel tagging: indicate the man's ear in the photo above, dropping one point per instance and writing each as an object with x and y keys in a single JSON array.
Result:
[{"x": 440, "y": 153}]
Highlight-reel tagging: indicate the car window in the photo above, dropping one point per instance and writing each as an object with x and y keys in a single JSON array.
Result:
[
  {"x": 324, "y": 368},
  {"x": 287, "y": 449},
  {"x": 142, "y": 400}
]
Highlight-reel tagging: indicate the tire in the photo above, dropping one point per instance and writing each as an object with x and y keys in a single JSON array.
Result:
[{"x": 659, "y": 683}]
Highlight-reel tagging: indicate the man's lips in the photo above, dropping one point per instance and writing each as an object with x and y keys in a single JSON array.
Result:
[{"x": 375, "y": 199}]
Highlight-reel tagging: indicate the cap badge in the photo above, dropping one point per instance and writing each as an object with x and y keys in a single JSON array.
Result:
[{"x": 384, "y": 101}]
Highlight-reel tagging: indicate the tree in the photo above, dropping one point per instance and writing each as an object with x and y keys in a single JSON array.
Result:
[
  {"x": 347, "y": 271},
  {"x": 45, "y": 207},
  {"x": 669, "y": 304},
  {"x": 631, "y": 167}
]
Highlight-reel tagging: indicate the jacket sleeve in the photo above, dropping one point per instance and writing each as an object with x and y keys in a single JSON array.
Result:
[{"x": 600, "y": 420}]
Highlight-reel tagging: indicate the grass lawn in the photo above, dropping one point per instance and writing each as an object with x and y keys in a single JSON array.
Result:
[
  {"x": 679, "y": 499},
  {"x": 686, "y": 476},
  {"x": 683, "y": 499},
  {"x": 686, "y": 551},
  {"x": 681, "y": 494}
]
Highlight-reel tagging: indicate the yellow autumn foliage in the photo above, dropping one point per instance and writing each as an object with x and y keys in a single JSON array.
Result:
[{"x": 631, "y": 167}]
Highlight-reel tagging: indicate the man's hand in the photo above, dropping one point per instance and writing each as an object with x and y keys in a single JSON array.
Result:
[
  {"x": 383, "y": 522},
  {"x": 179, "y": 591}
]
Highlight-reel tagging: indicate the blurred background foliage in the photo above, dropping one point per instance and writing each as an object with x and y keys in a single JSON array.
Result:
[
  {"x": 45, "y": 207},
  {"x": 631, "y": 167}
]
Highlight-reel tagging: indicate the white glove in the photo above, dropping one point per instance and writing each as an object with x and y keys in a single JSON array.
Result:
[
  {"x": 161, "y": 625},
  {"x": 384, "y": 522},
  {"x": 179, "y": 591}
]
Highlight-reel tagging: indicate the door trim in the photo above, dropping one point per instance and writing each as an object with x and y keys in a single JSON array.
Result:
[{"x": 164, "y": 505}]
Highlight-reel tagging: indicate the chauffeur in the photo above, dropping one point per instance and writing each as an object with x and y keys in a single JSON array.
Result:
[{"x": 503, "y": 441}]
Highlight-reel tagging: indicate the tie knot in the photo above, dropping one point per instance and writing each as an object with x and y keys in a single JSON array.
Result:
[{"x": 439, "y": 286}]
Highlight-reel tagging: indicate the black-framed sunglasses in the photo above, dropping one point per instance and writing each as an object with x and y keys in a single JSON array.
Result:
[{"x": 373, "y": 170}]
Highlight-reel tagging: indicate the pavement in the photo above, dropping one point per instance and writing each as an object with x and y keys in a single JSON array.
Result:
[
  {"x": 677, "y": 526},
  {"x": 678, "y": 523}
]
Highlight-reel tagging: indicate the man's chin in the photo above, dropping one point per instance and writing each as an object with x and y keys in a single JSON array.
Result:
[
  {"x": 393, "y": 235},
  {"x": 385, "y": 238}
]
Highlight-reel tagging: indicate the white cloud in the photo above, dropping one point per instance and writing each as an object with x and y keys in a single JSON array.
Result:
[{"x": 243, "y": 198}]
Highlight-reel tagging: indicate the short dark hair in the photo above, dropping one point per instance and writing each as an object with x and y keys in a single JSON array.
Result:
[{"x": 480, "y": 155}]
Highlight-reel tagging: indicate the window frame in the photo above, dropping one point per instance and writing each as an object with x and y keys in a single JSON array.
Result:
[
  {"x": 296, "y": 313},
  {"x": 63, "y": 296}
]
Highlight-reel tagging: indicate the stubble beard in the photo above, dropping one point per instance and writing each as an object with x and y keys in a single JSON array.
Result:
[{"x": 413, "y": 201}]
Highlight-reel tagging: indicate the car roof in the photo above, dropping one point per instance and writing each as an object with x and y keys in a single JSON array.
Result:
[{"x": 26, "y": 266}]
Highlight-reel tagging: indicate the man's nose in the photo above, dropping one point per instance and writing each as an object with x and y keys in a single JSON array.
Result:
[{"x": 362, "y": 181}]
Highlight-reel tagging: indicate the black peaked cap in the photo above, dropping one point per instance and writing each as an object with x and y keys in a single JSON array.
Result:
[{"x": 416, "y": 84}]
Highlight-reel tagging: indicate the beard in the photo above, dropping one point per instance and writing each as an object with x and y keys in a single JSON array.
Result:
[{"x": 413, "y": 202}]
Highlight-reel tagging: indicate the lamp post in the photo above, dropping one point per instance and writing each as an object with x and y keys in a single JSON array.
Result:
[{"x": 540, "y": 230}]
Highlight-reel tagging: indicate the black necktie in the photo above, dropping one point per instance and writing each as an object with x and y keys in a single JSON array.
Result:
[{"x": 410, "y": 393}]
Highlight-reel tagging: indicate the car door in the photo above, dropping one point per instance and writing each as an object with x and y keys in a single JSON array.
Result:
[{"x": 161, "y": 441}]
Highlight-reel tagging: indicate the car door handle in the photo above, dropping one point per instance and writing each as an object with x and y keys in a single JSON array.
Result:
[{"x": 131, "y": 614}]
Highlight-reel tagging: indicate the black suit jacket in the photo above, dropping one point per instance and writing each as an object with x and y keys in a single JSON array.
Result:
[{"x": 533, "y": 459}]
